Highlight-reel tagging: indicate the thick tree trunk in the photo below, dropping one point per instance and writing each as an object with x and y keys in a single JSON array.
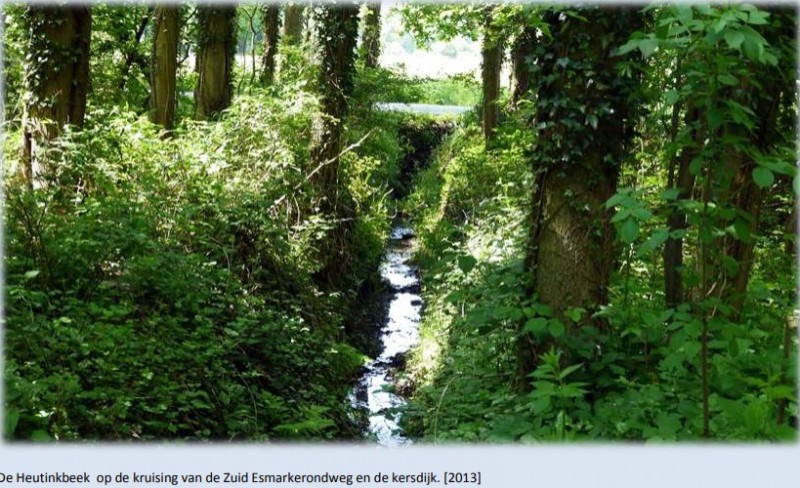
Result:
[
  {"x": 339, "y": 25},
  {"x": 492, "y": 59},
  {"x": 57, "y": 79},
  {"x": 371, "y": 37},
  {"x": 293, "y": 24},
  {"x": 271, "y": 29},
  {"x": 166, "y": 32},
  {"x": 215, "y": 59},
  {"x": 584, "y": 132}
]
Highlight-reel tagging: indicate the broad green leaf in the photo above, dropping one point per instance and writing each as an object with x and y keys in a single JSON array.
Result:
[
  {"x": 758, "y": 17},
  {"x": 467, "y": 263},
  {"x": 648, "y": 47},
  {"x": 734, "y": 38},
  {"x": 535, "y": 325},
  {"x": 574, "y": 314},
  {"x": 31, "y": 274},
  {"x": 556, "y": 328},
  {"x": 753, "y": 47},
  {"x": 629, "y": 230},
  {"x": 763, "y": 177}
]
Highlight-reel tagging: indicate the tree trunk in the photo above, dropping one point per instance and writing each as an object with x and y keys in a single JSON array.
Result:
[
  {"x": 132, "y": 53},
  {"x": 339, "y": 25},
  {"x": 215, "y": 59},
  {"x": 585, "y": 130},
  {"x": 371, "y": 37},
  {"x": 271, "y": 28},
  {"x": 676, "y": 219},
  {"x": 520, "y": 71},
  {"x": 166, "y": 32},
  {"x": 492, "y": 59},
  {"x": 57, "y": 79},
  {"x": 740, "y": 191},
  {"x": 293, "y": 24}
]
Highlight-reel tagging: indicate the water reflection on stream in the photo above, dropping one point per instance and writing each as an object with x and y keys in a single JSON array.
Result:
[{"x": 373, "y": 391}]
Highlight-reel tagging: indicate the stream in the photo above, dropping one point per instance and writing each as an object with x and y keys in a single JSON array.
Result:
[{"x": 374, "y": 391}]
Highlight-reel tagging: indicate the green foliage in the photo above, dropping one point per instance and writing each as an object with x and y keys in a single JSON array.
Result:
[
  {"x": 162, "y": 288},
  {"x": 633, "y": 373}
]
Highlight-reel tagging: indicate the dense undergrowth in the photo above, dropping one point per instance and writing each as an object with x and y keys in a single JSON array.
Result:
[
  {"x": 163, "y": 287},
  {"x": 636, "y": 379}
]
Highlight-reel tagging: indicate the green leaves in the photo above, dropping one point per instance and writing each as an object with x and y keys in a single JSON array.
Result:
[
  {"x": 763, "y": 177},
  {"x": 629, "y": 230},
  {"x": 633, "y": 212},
  {"x": 734, "y": 38},
  {"x": 467, "y": 263}
]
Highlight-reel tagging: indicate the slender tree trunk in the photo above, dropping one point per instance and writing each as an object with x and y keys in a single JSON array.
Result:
[
  {"x": 571, "y": 245},
  {"x": 339, "y": 25},
  {"x": 492, "y": 59},
  {"x": 520, "y": 71},
  {"x": 371, "y": 37},
  {"x": 293, "y": 24},
  {"x": 57, "y": 78},
  {"x": 166, "y": 32},
  {"x": 215, "y": 59},
  {"x": 271, "y": 29},
  {"x": 676, "y": 220},
  {"x": 741, "y": 192},
  {"x": 130, "y": 56}
]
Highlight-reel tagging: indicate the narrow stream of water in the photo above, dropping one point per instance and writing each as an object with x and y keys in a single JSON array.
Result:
[{"x": 374, "y": 391}]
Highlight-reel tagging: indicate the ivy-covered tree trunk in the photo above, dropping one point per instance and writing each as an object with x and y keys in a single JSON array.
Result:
[
  {"x": 338, "y": 34},
  {"x": 293, "y": 24},
  {"x": 56, "y": 77},
  {"x": 585, "y": 127},
  {"x": 272, "y": 23},
  {"x": 371, "y": 37},
  {"x": 166, "y": 32},
  {"x": 492, "y": 60},
  {"x": 215, "y": 58}
]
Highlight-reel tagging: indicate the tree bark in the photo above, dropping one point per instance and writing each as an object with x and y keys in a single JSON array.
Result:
[
  {"x": 271, "y": 29},
  {"x": 492, "y": 59},
  {"x": 339, "y": 26},
  {"x": 585, "y": 130},
  {"x": 130, "y": 56},
  {"x": 215, "y": 59},
  {"x": 740, "y": 191},
  {"x": 293, "y": 24},
  {"x": 676, "y": 219},
  {"x": 166, "y": 32},
  {"x": 57, "y": 79},
  {"x": 520, "y": 71},
  {"x": 371, "y": 37}
]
